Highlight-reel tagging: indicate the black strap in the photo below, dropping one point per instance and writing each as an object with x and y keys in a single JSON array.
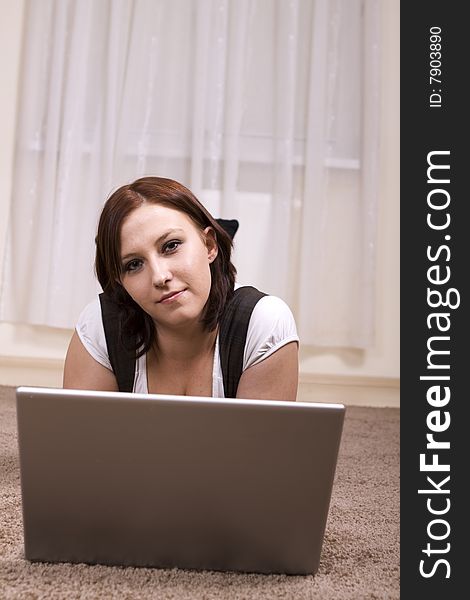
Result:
[
  {"x": 232, "y": 336},
  {"x": 122, "y": 362}
]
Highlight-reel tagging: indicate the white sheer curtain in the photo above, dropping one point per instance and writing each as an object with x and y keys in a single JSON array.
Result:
[{"x": 266, "y": 109}]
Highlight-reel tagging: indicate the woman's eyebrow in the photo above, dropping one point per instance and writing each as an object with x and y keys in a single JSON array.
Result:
[{"x": 160, "y": 239}]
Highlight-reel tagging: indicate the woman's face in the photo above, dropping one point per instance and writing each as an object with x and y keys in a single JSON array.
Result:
[{"x": 165, "y": 262}]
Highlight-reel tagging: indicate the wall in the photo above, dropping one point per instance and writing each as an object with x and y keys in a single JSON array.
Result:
[{"x": 34, "y": 355}]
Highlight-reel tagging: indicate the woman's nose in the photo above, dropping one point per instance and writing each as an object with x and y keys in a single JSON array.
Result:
[{"x": 161, "y": 273}]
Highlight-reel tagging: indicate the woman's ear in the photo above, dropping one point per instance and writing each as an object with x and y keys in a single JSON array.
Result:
[{"x": 211, "y": 244}]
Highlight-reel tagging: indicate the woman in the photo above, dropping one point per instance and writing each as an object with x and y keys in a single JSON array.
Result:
[{"x": 164, "y": 262}]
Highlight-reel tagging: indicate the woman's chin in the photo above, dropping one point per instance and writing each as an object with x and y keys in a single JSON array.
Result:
[{"x": 178, "y": 319}]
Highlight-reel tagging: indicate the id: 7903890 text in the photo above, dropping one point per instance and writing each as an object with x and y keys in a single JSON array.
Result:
[{"x": 435, "y": 63}]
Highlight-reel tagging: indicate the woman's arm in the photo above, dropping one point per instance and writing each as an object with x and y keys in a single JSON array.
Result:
[
  {"x": 83, "y": 372},
  {"x": 275, "y": 378}
]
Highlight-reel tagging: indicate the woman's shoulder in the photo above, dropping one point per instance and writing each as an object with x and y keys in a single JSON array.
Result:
[
  {"x": 91, "y": 311},
  {"x": 90, "y": 330},
  {"x": 272, "y": 315},
  {"x": 271, "y": 326},
  {"x": 270, "y": 304},
  {"x": 271, "y": 307}
]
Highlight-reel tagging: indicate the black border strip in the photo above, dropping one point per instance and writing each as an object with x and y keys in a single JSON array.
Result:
[{"x": 433, "y": 120}]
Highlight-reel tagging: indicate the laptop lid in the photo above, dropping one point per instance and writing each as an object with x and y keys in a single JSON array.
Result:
[{"x": 175, "y": 481}]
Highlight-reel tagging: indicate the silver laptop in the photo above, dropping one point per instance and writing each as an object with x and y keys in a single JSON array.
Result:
[{"x": 176, "y": 481}]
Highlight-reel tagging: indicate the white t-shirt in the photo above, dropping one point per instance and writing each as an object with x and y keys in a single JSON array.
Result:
[{"x": 271, "y": 326}]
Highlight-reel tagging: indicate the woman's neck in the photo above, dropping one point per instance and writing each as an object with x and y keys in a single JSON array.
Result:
[{"x": 185, "y": 344}]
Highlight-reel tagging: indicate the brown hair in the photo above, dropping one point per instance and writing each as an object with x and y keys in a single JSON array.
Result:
[{"x": 136, "y": 326}]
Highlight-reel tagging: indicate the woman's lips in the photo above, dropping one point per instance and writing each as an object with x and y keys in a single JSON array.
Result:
[{"x": 168, "y": 298}]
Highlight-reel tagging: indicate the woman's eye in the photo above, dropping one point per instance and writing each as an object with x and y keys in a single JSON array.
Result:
[
  {"x": 171, "y": 246},
  {"x": 132, "y": 265}
]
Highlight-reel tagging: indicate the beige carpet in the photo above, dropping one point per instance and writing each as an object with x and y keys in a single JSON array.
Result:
[{"x": 360, "y": 558}]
